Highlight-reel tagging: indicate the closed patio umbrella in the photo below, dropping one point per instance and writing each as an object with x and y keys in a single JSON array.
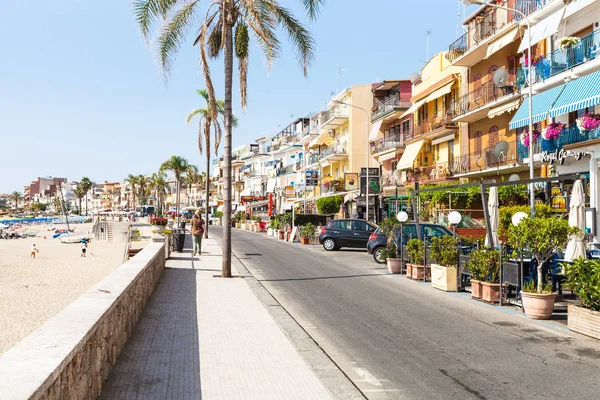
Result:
[
  {"x": 576, "y": 247},
  {"x": 494, "y": 218}
]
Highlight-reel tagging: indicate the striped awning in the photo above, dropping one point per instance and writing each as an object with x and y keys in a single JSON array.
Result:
[
  {"x": 272, "y": 163},
  {"x": 580, "y": 93},
  {"x": 541, "y": 104}
]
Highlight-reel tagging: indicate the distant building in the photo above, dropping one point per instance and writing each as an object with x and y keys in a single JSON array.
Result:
[{"x": 43, "y": 190}]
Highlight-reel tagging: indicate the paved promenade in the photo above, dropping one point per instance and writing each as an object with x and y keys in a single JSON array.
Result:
[{"x": 202, "y": 337}]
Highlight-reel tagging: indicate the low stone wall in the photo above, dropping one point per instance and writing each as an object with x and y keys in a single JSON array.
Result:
[{"x": 71, "y": 355}]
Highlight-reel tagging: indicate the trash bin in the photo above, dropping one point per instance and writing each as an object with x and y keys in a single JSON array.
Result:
[{"x": 178, "y": 239}]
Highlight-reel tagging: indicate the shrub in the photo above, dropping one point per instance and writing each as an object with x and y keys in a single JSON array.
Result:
[
  {"x": 317, "y": 220},
  {"x": 388, "y": 226},
  {"x": 307, "y": 230},
  {"x": 329, "y": 205},
  {"x": 484, "y": 265},
  {"x": 444, "y": 251},
  {"x": 583, "y": 278},
  {"x": 275, "y": 224},
  {"x": 158, "y": 221},
  {"x": 505, "y": 215},
  {"x": 416, "y": 251},
  {"x": 390, "y": 251},
  {"x": 285, "y": 219},
  {"x": 218, "y": 214}
]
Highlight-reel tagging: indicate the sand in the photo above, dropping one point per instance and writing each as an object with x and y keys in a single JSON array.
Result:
[{"x": 34, "y": 290}]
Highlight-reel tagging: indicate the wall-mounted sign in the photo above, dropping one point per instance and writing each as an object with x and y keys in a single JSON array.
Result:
[
  {"x": 561, "y": 155},
  {"x": 372, "y": 171},
  {"x": 290, "y": 191},
  {"x": 312, "y": 178},
  {"x": 373, "y": 184},
  {"x": 351, "y": 181}
]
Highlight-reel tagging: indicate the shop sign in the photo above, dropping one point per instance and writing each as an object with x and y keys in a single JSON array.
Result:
[
  {"x": 560, "y": 156},
  {"x": 290, "y": 191},
  {"x": 351, "y": 181},
  {"x": 372, "y": 172},
  {"x": 312, "y": 178}
]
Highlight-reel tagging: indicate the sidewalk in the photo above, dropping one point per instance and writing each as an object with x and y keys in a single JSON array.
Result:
[{"x": 206, "y": 337}]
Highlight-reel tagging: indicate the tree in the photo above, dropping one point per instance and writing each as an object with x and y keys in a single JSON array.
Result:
[
  {"x": 132, "y": 181},
  {"x": 143, "y": 186},
  {"x": 216, "y": 32},
  {"x": 329, "y": 205},
  {"x": 16, "y": 197},
  {"x": 79, "y": 194},
  {"x": 180, "y": 167},
  {"x": 160, "y": 187},
  {"x": 86, "y": 185}
]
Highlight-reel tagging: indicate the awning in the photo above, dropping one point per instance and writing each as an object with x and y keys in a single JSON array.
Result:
[
  {"x": 506, "y": 107},
  {"x": 416, "y": 105},
  {"x": 314, "y": 143},
  {"x": 576, "y": 6},
  {"x": 542, "y": 103},
  {"x": 443, "y": 139},
  {"x": 375, "y": 130},
  {"x": 409, "y": 156},
  {"x": 579, "y": 93},
  {"x": 271, "y": 163},
  {"x": 543, "y": 29},
  {"x": 444, "y": 90},
  {"x": 245, "y": 167},
  {"x": 257, "y": 204},
  {"x": 389, "y": 156},
  {"x": 271, "y": 185},
  {"x": 503, "y": 41}
]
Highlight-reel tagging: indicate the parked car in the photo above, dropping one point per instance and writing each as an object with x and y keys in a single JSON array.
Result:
[
  {"x": 353, "y": 233},
  {"x": 378, "y": 241}
]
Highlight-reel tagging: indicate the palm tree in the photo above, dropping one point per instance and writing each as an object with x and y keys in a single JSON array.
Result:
[
  {"x": 143, "y": 186},
  {"x": 86, "y": 185},
  {"x": 160, "y": 187},
  {"x": 180, "y": 167},
  {"x": 216, "y": 33},
  {"x": 79, "y": 194},
  {"x": 16, "y": 197},
  {"x": 132, "y": 181}
]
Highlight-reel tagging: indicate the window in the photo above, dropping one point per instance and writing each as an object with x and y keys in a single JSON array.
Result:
[
  {"x": 434, "y": 231},
  {"x": 435, "y": 107},
  {"x": 363, "y": 226},
  {"x": 410, "y": 232},
  {"x": 451, "y": 150},
  {"x": 477, "y": 86},
  {"x": 342, "y": 224},
  {"x": 394, "y": 165},
  {"x": 493, "y": 136},
  {"x": 477, "y": 143}
]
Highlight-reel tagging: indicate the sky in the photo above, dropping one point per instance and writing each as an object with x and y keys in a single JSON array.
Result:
[{"x": 82, "y": 95}]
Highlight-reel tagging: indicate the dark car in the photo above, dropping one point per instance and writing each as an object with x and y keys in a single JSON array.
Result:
[
  {"x": 353, "y": 233},
  {"x": 378, "y": 240}
]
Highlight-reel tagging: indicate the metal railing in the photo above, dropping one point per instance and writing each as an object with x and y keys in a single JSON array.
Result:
[
  {"x": 437, "y": 171},
  {"x": 485, "y": 94},
  {"x": 443, "y": 119},
  {"x": 486, "y": 158},
  {"x": 559, "y": 60},
  {"x": 333, "y": 150},
  {"x": 528, "y": 7},
  {"x": 313, "y": 159},
  {"x": 388, "y": 180},
  {"x": 388, "y": 105},
  {"x": 390, "y": 142},
  {"x": 338, "y": 111},
  {"x": 569, "y": 135}
]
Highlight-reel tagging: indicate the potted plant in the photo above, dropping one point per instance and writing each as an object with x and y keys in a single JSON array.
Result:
[
  {"x": 553, "y": 131},
  {"x": 588, "y": 122},
  {"x": 583, "y": 279},
  {"x": 568, "y": 41},
  {"x": 394, "y": 262},
  {"x": 526, "y": 137},
  {"x": 444, "y": 274},
  {"x": 160, "y": 224},
  {"x": 416, "y": 256},
  {"x": 275, "y": 225},
  {"x": 490, "y": 285},
  {"x": 543, "y": 237},
  {"x": 218, "y": 215},
  {"x": 478, "y": 268},
  {"x": 286, "y": 222},
  {"x": 306, "y": 232}
]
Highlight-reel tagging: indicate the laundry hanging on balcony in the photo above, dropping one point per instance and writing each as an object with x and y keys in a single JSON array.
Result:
[
  {"x": 578, "y": 94},
  {"x": 542, "y": 103}
]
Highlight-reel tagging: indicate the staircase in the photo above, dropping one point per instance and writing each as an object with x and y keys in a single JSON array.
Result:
[{"x": 109, "y": 230}]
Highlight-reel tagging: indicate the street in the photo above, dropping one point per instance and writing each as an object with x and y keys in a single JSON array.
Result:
[{"x": 397, "y": 338}]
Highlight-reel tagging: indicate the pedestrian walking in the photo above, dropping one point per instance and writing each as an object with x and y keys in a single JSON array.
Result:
[
  {"x": 34, "y": 251},
  {"x": 83, "y": 247},
  {"x": 197, "y": 232}
]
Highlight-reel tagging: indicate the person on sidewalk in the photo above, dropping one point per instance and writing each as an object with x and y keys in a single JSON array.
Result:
[
  {"x": 33, "y": 252},
  {"x": 197, "y": 232}
]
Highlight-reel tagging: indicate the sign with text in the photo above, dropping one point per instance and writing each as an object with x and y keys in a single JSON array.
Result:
[
  {"x": 350, "y": 181},
  {"x": 372, "y": 171},
  {"x": 290, "y": 191},
  {"x": 560, "y": 156},
  {"x": 312, "y": 178}
]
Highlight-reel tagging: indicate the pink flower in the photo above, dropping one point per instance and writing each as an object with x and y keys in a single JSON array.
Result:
[{"x": 525, "y": 137}]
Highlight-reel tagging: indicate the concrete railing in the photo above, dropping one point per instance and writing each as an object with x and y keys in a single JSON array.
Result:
[{"x": 71, "y": 355}]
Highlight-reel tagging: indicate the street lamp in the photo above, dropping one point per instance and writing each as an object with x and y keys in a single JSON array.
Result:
[
  {"x": 454, "y": 218},
  {"x": 402, "y": 217},
  {"x": 367, "y": 150},
  {"x": 530, "y": 92}
]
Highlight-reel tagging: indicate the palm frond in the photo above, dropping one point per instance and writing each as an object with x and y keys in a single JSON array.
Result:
[
  {"x": 203, "y": 93},
  {"x": 257, "y": 15},
  {"x": 145, "y": 13},
  {"x": 196, "y": 111},
  {"x": 218, "y": 135},
  {"x": 173, "y": 35},
  {"x": 243, "y": 71},
  {"x": 212, "y": 103},
  {"x": 313, "y": 7},
  {"x": 200, "y": 149}
]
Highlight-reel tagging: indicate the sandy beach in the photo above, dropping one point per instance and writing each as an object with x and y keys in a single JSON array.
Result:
[{"x": 34, "y": 290}]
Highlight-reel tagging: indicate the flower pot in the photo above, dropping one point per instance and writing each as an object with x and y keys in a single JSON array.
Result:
[
  {"x": 409, "y": 270},
  {"x": 238, "y": 225},
  {"x": 490, "y": 292},
  {"x": 538, "y": 305},
  {"x": 270, "y": 232},
  {"x": 304, "y": 240},
  {"x": 281, "y": 235},
  {"x": 420, "y": 272},
  {"x": 394, "y": 265},
  {"x": 584, "y": 321},
  {"x": 475, "y": 289},
  {"x": 444, "y": 278}
]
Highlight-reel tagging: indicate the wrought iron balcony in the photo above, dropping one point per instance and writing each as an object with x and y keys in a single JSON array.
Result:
[
  {"x": 528, "y": 7},
  {"x": 559, "y": 60},
  {"x": 335, "y": 117},
  {"x": 443, "y": 119},
  {"x": 481, "y": 160},
  {"x": 390, "y": 142},
  {"x": 485, "y": 94},
  {"x": 334, "y": 150},
  {"x": 569, "y": 135},
  {"x": 388, "y": 105},
  {"x": 313, "y": 159},
  {"x": 436, "y": 172}
]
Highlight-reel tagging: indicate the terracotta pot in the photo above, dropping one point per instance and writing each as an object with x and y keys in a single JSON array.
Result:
[
  {"x": 475, "y": 289},
  {"x": 490, "y": 292},
  {"x": 538, "y": 305},
  {"x": 418, "y": 272},
  {"x": 409, "y": 270},
  {"x": 304, "y": 240},
  {"x": 394, "y": 265},
  {"x": 281, "y": 235}
]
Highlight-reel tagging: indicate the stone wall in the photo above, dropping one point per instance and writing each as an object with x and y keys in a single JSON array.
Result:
[{"x": 71, "y": 355}]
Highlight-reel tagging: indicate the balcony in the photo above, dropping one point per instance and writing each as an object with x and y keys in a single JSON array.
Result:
[
  {"x": 334, "y": 117},
  {"x": 387, "y": 106},
  {"x": 313, "y": 159},
  {"x": 332, "y": 186},
  {"x": 437, "y": 126},
  {"x": 479, "y": 98},
  {"x": 392, "y": 142},
  {"x": 286, "y": 170},
  {"x": 478, "y": 161},
  {"x": 333, "y": 153},
  {"x": 440, "y": 171},
  {"x": 570, "y": 135},
  {"x": 558, "y": 61},
  {"x": 389, "y": 180}
]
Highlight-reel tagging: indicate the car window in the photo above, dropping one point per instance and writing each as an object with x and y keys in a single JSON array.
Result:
[
  {"x": 342, "y": 224},
  {"x": 434, "y": 231},
  {"x": 363, "y": 226},
  {"x": 410, "y": 231}
]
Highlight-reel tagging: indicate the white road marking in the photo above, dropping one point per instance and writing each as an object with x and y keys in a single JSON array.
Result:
[
  {"x": 381, "y": 390},
  {"x": 367, "y": 376}
]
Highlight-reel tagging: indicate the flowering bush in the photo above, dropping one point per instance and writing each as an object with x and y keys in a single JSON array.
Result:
[
  {"x": 525, "y": 137},
  {"x": 536, "y": 60},
  {"x": 158, "y": 221},
  {"x": 326, "y": 184},
  {"x": 588, "y": 122},
  {"x": 568, "y": 41},
  {"x": 553, "y": 130}
]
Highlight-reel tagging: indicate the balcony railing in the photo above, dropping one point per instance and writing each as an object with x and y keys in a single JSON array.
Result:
[
  {"x": 436, "y": 172},
  {"x": 391, "y": 142},
  {"x": 487, "y": 158},
  {"x": 528, "y": 7},
  {"x": 559, "y": 60},
  {"x": 333, "y": 150},
  {"x": 286, "y": 170},
  {"x": 481, "y": 96},
  {"x": 313, "y": 159},
  {"x": 388, "y": 105},
  {"x": 569, "y": 135},
  {"x": 389, "y": 180},
  {"x": 338, "y": 111},
  {"x": 443, "y": 119}
]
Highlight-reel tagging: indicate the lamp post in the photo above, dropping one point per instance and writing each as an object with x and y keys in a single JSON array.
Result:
[
  {"x": 366, "y": 149},
  {"x": 529, "y": 90},
  {"x": 402, "y": 217},
  {"x": 454, "y": 218}
]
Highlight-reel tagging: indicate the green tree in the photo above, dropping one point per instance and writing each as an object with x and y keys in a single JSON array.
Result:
[
  {"x": 86, "y": 185},
  {"x": 180, "y": 167},
  {"x": 160, "y": 187},
  {"x": 263, "y": 18},
  {"x": 16, "y": 197},
  {"x": 143, "y": 183},
  {"x": 132, "y": 182},
  {"x": 37, "y": 207},
  {"x": 79, "y": 195}
]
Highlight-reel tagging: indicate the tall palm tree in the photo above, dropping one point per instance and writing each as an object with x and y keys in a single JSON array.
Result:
[
  {"x": 143, "y": 183},
  {"x": 180, "y": 167},
  {"x": 16, "y": 197},
  {"x": 132, "y": 182},
  {"x": 160, "y": 187},
  {"x": 262, "y": 18},
  {"x": 79, "y": 194},
  {"x": 86, "y": 185}
]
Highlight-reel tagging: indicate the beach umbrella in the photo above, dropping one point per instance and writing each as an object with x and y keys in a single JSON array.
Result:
[
  {"x": 576, "y": 247},
  {"x": 494, "y": 218}
]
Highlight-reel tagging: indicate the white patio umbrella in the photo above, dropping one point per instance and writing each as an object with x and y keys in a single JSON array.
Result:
[
  {"x": 494, "y": 218},
  {"x": 576, "y": 247}
]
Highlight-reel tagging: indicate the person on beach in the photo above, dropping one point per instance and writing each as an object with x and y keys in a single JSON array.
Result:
[
  {"x": 197, "y": 232},
  {"x": 83, "y": 247},
  {"x": 34, "y": 251}
]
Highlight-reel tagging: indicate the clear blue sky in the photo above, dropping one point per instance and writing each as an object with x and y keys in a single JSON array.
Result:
[{"x": 80, "y": 94}]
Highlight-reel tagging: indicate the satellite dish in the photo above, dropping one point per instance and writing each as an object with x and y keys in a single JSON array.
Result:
[
  {"x": 501, "y": 77},
  {"x": 501, "y": 149},
  {"x": 414, "y": 78},
  {"x": 514, "y": 178}
]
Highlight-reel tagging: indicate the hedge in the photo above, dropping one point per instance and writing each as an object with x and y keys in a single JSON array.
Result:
[{"x": 329, "y": 205}]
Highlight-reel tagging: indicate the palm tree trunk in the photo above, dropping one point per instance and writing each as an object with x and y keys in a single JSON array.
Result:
[
  {"x": 86, "y": 207},
  {"x": 177, "y": 202},
  {"x": 226, "y": 245},
  {"x": 207, "y": 193}
]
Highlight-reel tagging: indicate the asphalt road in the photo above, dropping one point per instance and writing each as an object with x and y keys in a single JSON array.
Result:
[{"x": 400, "y": 339}]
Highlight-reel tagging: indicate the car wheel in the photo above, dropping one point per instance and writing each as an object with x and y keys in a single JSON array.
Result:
[
  {"x": 329, "y": 244},
  {"x": 378, "y": 255}
]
